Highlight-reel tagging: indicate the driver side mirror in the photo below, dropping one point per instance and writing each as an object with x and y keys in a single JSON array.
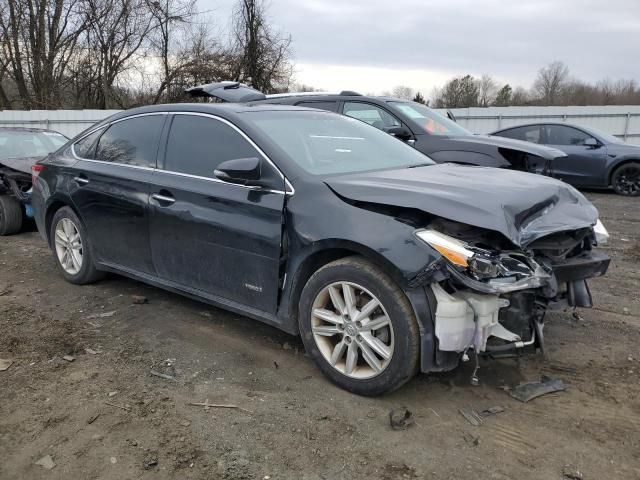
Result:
[
  {"x": 402, "y": 133},
  {"x": 591, "y": 142},
  {"x": 241, "y": 171}
]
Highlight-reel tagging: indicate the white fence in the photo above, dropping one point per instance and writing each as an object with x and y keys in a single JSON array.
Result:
[
  {"x": 67, "y": 122},
  {"x": 621, "y": 121}
]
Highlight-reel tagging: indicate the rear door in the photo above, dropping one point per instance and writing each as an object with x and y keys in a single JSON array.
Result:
[
  {"x": 110, "y": 188},
  {"x": 584, "y": 165},
  {"x": 219, "y": 239}
]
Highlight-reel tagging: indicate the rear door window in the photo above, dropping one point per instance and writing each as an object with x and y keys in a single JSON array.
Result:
[
  {"x": 197, "y": 145},
  {"x": 529, "y": 133},
  {"x": 86, "y": 147},
  {"x": 133, "y": 141},
  {"x": 371, "y": 114},
  {"x": 322, "y": 105}
]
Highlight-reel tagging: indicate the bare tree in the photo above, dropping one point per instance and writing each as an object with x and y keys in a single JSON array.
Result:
[
  {"x": 263, "y": 54},
  {"x": 117, "y": 30},
  {"x": 404, "y": 92},
  {"x": 458, "y": 92},
  {"x": 487, "y": 90},
  {"x": 40, "y": 39},
  {"x": 550, "y": 82}
]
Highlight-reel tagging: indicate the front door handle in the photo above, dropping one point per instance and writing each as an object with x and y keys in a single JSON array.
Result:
[
  {"x": 163, "y": 199},
  {"x": 81, "y": 180}
]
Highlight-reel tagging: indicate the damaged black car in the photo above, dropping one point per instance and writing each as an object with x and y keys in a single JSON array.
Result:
[
  {"x": 384, "y": 262},
  {"x": 20, "y": 149}
]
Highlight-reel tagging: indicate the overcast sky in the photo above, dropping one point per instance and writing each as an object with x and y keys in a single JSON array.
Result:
[{"x": 373, "y": 45}]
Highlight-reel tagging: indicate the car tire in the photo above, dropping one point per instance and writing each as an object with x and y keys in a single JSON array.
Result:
[
  {"x": 77, "y": 266},
  {"x": 626, "y": 179},
  {"x": 399, "y": 340},
  {"x": 10, "y": 215}
]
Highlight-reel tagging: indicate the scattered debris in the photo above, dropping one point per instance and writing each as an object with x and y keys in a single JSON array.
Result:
[
  {"x": 139, "y": 299},
  {"x": 401, "y": 418},
  {"x": 528, "y": 391},
  {"x": 471, "y": 416},
  {"x": 275, "y": 364},
  {"x": 93, "y": 418},
  {"x": 576, "y": 316},
  {"x": 91, "y": 351},
  {"x": 487, "y": 412},
  {"x": 150, "y": 463},
  {"x": 5, "y": 364},
  {"x": 185, "y": 423},
  {"x": 162, "y": 375},
  {"x": 571, "y": 473},
  {"x": 112, "y": 394},
  {"x": 128, "y": 409},
  {"x": 286, "y": 346},
  {"x": 4, "y": 291},
  {"x": 69, "y": 358},
  {"x": 113, "y": 460},
  {"x": 208, "y": 405},
  {"x": 471, "y": 439},
  {"x": 102, "y": 315},
  {"x": 46, "y": 462}
]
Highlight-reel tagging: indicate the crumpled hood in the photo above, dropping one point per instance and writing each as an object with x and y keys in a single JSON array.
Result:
[
  {"x": 21, "y": 164},
  {"x": 542, "y": 151},
  {"x": 521, "y": 206}
]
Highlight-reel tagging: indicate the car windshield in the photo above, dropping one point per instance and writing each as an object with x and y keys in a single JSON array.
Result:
[
  {"x": 29, "y": 143},
  {"x": 326, "y": 143},
  {"x": 432, "y": 122}
]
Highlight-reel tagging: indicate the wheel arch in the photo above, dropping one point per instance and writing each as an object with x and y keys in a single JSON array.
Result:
[
  {"x": 618, "y": 164},
  {"x": 52, "y": 208},
  {"x": 325, "y": 252}
]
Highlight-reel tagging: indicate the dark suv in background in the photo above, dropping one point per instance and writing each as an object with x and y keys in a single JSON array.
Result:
[{"x": 433, "y": 134}]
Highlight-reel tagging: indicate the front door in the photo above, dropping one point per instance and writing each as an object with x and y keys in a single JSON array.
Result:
[
  {"x": 583, "y": 162},
  {"x": 110, "y": 187},
  {"x": 213, "y": 237}
]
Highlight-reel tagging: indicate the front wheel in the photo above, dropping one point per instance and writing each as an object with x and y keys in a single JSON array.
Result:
[
  {"x": 70, "y": 245},
  {"x": 359, "y": 327},
  {"x": 626, "y": 179}
]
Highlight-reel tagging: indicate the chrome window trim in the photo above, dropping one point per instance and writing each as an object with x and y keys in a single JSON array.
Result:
[{"x": 290, "y": 190}]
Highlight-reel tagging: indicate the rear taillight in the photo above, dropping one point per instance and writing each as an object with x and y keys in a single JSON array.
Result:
[{"x": 35, "y": 171}]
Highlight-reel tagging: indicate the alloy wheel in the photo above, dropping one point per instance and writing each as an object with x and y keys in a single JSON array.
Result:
[
  {"x": 68, "y": 245},
  {"x": 628, "y": 182},
  {"x": 352, "y": 330}
]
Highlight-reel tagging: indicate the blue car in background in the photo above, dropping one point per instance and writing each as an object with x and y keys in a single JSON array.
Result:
[{"x": 594, "y": 158}]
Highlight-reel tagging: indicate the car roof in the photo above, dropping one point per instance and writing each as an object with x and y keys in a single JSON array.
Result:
[
  {"x": 533, "y": 124},
  {"x": 319, "y": 96}
]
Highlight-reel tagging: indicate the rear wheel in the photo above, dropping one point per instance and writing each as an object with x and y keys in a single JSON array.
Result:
[
  {"x": 70, "y": 245},
  {"x": 626, "y": 179},
  {"x": 359, "y": 327},
  {"x": 10, "y": 215}
]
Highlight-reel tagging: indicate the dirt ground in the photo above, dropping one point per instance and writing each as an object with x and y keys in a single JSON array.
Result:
[{"x": 104, "y": 415}]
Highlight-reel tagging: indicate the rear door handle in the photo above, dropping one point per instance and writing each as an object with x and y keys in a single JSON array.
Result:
[
  {"x": 81, "y": 180},
  {"x": 163, "y": 199}
]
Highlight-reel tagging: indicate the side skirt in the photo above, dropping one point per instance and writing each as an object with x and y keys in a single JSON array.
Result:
[{"x": 199, "y": 295}]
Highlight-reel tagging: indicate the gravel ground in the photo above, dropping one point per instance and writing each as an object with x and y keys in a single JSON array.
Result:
[{"x": 104, "y": 415}]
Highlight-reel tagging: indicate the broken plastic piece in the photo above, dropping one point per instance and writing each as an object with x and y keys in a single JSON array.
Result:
[
  {"x": 400, "y": 418},
  {"x": 531, "y": 390}
]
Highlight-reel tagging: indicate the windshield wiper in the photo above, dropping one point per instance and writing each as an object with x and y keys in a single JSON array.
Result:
[{"x": 421, "y": 165}]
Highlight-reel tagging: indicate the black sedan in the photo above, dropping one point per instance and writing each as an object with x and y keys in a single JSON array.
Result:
[
  {"x": 594, "y": 158},
  {"x": 385, "y": 263}
]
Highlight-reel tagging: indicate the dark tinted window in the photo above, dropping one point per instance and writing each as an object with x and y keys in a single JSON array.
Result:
[
  {"x": 131, "y": 142},
  {"x": 561, "y": 135},
  {"x": 528, "y": 134},
  {"x": 329, "y": 106},
  {"x": 371, "y": 114},
  {"x": 86, "y": 147},
  {"x": 197, "y": 145}
]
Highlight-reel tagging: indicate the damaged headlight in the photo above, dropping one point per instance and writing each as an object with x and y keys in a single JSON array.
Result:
[
  {"x": 495, "y": 268},
  {"x": 602, "y": 236}
]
